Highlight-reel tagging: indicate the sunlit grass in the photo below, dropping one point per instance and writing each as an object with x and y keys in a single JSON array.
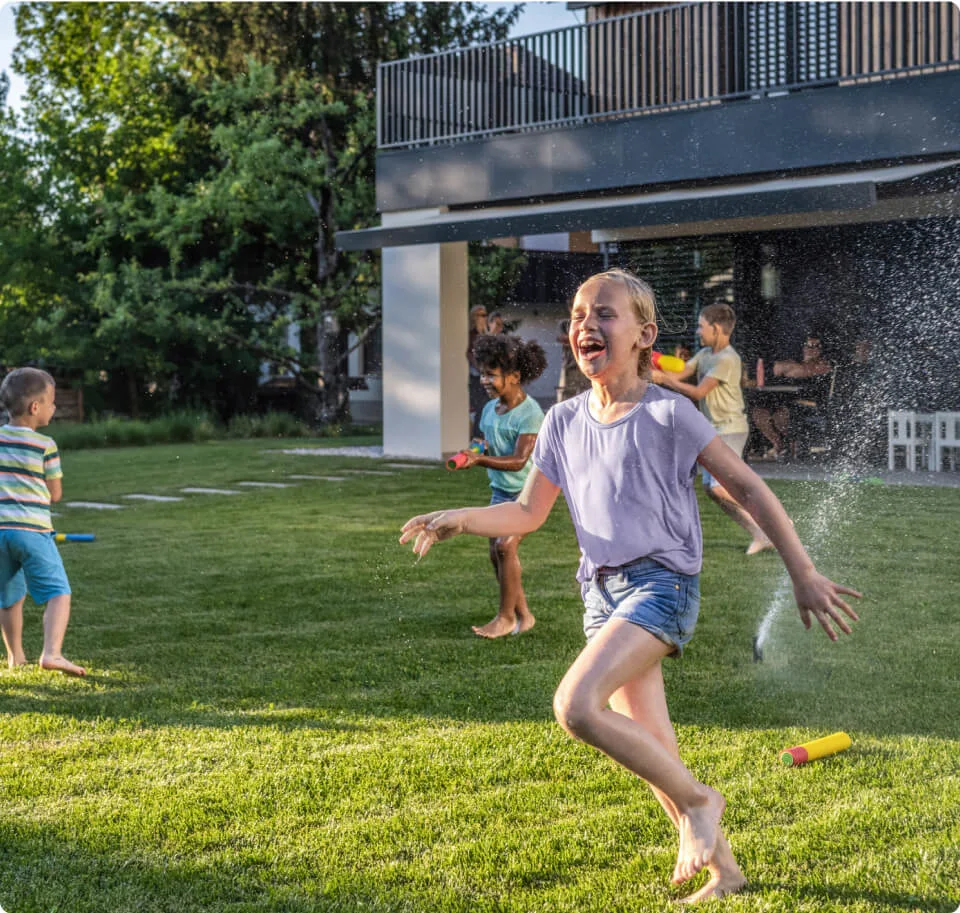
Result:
[{"x": 285, "y": 712}]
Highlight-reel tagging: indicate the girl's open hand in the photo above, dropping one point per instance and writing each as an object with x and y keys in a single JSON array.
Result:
[
  {"x": 820, "y": 597},
  {"x": 429, "y": 528}
]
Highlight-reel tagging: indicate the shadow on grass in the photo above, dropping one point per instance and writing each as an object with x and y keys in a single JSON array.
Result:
[
  {"x": 43, "y": 871},
  {"x": 395, "y": 670},
  {"x": 823, "y": 895}
]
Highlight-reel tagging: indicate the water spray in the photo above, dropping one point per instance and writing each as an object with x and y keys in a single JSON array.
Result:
[{"x": 781, "y": 597}]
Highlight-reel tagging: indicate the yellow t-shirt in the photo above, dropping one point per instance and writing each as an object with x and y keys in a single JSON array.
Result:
[{"x": 723, "y": 405}]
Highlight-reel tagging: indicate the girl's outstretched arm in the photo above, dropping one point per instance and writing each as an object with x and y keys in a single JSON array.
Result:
[
  {"x": 815, "y": 594},
  {"x": 515, "y": 518}
]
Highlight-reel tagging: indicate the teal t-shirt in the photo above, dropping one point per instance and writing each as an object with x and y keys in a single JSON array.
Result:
[{"x": 501, "y": 433}]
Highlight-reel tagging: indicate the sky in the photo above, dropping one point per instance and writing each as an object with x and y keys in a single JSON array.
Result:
[{"x": 536, "y": 17}]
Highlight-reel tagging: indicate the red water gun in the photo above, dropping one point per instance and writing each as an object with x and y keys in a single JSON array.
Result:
[{"x": 459, "y": 460}]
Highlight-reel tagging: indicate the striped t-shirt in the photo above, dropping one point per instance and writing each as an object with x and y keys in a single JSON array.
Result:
[{"x": 27, "y": 460}]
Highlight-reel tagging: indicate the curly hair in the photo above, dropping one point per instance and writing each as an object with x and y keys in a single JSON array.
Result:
[{"x": 510, "y": 353}]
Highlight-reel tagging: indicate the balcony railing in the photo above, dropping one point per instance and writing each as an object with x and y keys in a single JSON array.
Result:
[{"x": 682, "y": 56}]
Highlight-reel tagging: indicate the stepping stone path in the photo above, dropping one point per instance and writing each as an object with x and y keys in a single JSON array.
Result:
[
  {"x": 373, "y": 452},
  {"x": 367, "y": 472},
  {"x": 211, "y": 491},
  {"x": 93, "y": 505},
  {"x": 267, "y": 484}
]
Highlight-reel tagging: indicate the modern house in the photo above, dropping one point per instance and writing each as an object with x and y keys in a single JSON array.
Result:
[{"x": 801, "y": 160}]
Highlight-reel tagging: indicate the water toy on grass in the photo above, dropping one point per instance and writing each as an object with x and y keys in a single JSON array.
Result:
[
  {"x": 818, "y": 748},
  {"x": 458, "y": 460},
  {"x": 668, "y": 362},
  {"x": 74, "y": 537}
]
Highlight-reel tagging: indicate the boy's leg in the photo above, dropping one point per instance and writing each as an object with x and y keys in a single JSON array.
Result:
[
  {"x": 47, "y": 583},
  {"x": 644, "y": 701},
  {"x": 620, "y": 653},
  {"x": 733, "y": 509},
  {"x": 514, "y": 614},
  {"x": 728, "y": 504},
  {"x": 13, "y": 592},
  {"x": 11, "y": 621},
  {"x": 55, "y": 619}
]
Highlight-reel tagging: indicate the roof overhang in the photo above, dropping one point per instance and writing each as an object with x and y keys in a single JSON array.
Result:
[{"x": 730, "y": 203}]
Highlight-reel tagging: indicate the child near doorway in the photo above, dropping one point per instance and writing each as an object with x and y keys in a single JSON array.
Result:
[{"x": 509, "y": 425}]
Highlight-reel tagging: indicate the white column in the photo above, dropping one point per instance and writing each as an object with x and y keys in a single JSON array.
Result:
[{"x": 425, "y": 325}]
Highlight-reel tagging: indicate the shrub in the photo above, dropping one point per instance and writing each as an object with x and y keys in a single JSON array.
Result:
[{"x": 176, "y": 428}]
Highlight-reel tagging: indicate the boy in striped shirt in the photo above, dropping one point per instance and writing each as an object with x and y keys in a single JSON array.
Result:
[{"x": 30, "y": 478}]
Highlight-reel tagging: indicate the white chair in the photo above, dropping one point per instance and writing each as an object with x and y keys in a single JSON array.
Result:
[
  {"x": 946, "y": 439},
  {"x": 913, "y": 431}
]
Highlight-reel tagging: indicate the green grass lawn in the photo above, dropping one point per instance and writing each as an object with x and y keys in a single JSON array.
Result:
[{"x": 284, "y": 712}]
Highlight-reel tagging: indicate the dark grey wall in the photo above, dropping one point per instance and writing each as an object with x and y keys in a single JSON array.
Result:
[{"x": 828, "y": 127}]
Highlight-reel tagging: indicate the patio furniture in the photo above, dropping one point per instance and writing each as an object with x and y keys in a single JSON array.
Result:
[{"x": 912, "y": 431}]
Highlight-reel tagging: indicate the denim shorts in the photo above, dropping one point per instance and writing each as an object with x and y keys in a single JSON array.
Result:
[
  {"x": 30, "y": 560},
  {"x": 647, "y": 594},
  {"x": 736, "y": 442},
  {"x": 499, "y": 496}
]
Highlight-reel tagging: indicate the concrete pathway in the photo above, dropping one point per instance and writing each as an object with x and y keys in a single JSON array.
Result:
[{"x": 797, "y": 472}]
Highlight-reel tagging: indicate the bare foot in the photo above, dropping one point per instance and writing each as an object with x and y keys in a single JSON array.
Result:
[
  {"x": 499, "y": 627},
  {"x": 61, "y": 664},
  {"x": 699, "y": 831},
  {"x": 718, "y": 886},
  {"x": 725, "y": 875},
  {"x": 524, "y": 622},
  {"x": 18, "y": 660},
  {"x": 759, "y": 545}
]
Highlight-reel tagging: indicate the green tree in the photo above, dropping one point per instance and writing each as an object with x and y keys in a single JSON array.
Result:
[
  {"x": 494, "y": 273},
  {"x": 209, "y": 153}
]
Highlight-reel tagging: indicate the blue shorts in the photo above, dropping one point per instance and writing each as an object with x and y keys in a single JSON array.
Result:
[
  {"x": 736, "y": 442},
  {"x": 30, "y": 560},
  {"x": 499, "y": 496},
  {"x": 647, "y": 594}
]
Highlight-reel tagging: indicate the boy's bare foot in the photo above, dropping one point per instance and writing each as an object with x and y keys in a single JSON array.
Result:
[
  {"x": 759, "y": 545},
  {"x": 699, "y": 830},
  {"x": 499, "y": 627},
  {"x": 61, "y": 664},
  {"x": 14, "y": 661}
]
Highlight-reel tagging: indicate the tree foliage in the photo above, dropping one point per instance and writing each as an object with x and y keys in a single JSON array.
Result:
[{"x": 178, "y": 178}]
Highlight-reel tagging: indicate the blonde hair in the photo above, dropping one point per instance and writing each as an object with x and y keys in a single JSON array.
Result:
[
  {"x": 21, "y": 387},
  {"x": 641, "y": 297}
]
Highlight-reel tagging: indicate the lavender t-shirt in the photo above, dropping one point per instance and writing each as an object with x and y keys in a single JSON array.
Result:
[{"x": 629, "y": 484}]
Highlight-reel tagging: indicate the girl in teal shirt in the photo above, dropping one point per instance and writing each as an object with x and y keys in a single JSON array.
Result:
[{"x": 509, "y": 425}]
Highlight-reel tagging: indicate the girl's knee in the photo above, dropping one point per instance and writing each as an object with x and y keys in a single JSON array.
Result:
[{"x": 574, "y": 711}]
